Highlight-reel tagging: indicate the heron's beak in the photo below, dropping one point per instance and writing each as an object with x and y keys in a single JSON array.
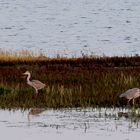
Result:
[{"x": 24, "y": 73}]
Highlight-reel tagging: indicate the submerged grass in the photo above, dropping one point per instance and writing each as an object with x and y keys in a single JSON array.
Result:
[{"x": 71, "y": 82}]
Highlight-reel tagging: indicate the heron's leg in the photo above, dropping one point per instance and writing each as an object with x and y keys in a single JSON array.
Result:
[
  {"x": 133, "y": 101},
  {"x": 36, "y": 93},
  {"x": 128, "y": 101}
]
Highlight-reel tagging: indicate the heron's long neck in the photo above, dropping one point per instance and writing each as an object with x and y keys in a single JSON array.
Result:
[{"x": 28, "y": 78}]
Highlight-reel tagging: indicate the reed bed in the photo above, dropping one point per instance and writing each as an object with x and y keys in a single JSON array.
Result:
[{"x": 71, "y": 82}]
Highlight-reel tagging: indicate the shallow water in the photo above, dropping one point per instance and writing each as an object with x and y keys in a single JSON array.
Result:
[
  {"x": 67, "y": 27},
  {"x": 86, "y": 123}
]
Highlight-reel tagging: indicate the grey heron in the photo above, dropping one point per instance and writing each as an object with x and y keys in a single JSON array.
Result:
[
  {"x": 36, "y": 84},
  {"x": 131, "y": 94}
]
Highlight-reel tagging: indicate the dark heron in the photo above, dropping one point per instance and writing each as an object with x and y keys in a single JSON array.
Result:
[{"x": 131, "y": 94}]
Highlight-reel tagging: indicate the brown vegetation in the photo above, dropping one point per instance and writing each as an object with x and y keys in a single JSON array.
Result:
[{"x": 71, "y": 82}]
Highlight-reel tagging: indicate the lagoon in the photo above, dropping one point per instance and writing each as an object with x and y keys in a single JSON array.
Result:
[
  {"x": 70, "y": 123},
  {"x": 71, "y": 28}
]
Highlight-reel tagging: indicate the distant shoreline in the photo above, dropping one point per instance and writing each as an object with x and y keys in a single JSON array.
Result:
[{"x": 25, "y": 57}]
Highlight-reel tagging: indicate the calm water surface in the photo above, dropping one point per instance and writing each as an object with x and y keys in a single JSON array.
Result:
[
  {"x": 68, "y": 27},
  {"x": 87, "y": 123}
]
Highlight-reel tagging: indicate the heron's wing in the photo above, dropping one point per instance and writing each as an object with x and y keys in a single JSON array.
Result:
[
  {"x": 37, "y": 84},
  {"x": 131, "y": 93}
]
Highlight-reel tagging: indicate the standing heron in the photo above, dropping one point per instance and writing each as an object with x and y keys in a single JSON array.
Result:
[
  {"x": 36, "y": 84},
  {"x": 131, "y": 94}
]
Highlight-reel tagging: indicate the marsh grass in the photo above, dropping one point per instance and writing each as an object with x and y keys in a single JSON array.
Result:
[
  {"x": 103, "y": 92},
  {"x": 71, "y": 82}
]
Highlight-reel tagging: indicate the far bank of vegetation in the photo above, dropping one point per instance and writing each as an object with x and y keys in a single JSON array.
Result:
[{"x": 71, "y": 82}]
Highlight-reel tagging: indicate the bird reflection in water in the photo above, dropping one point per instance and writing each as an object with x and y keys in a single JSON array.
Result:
[
  {"x": 132, "y": 115},
  {"x": 34, "y": 112}
]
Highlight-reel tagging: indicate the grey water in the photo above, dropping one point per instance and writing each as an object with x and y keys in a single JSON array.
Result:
[
  {"x": 71, "y": 28},
  {"x": 70, "y": 123}
]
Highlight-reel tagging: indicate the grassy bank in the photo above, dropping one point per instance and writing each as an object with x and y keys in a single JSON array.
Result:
[{"x": 71, "y": 82}]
